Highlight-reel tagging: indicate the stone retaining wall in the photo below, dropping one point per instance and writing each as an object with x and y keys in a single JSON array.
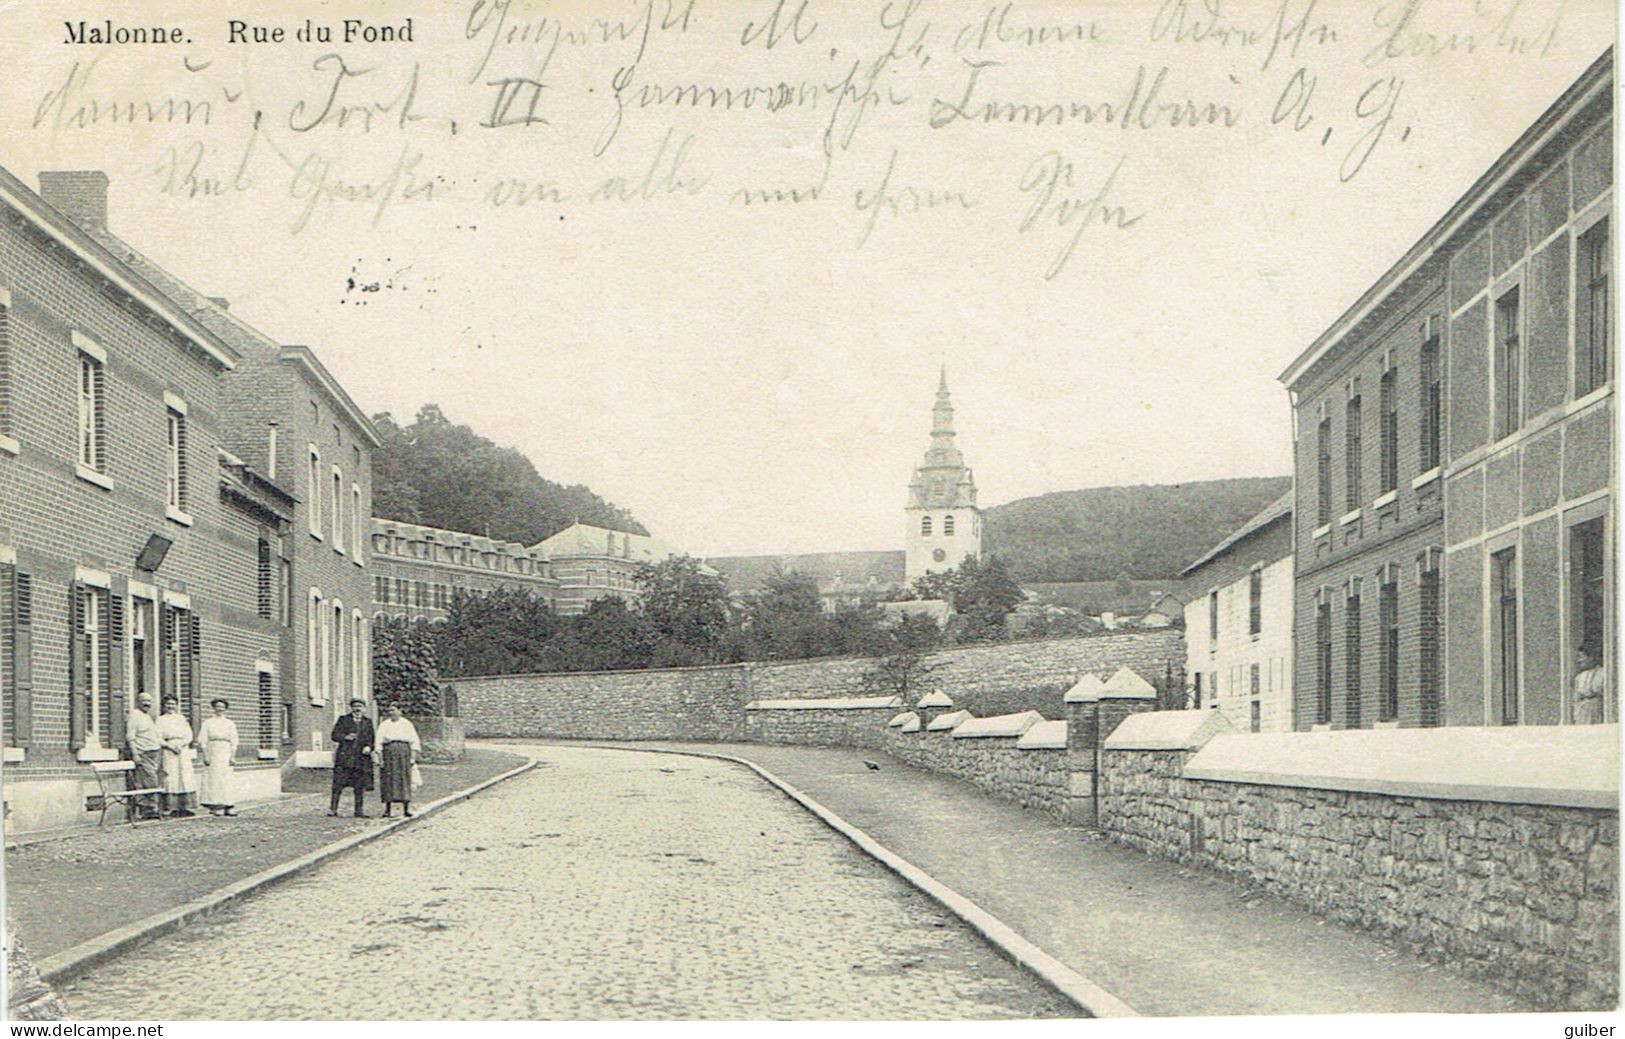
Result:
[
  {"x": 692, "y": 703},
  {"x": 707, "y": 703},
  {"x": 1523, "y": 892}
]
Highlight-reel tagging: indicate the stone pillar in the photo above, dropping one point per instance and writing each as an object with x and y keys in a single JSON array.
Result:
[
  {"x": 1093, "y": 709},
  {"x": 1125, "y": 693},
  {"x": 932, "y": 704},
  {"x": 1080, "y": 703}
]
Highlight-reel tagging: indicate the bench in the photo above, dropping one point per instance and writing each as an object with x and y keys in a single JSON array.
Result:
[{"x": 108, "y": 772}]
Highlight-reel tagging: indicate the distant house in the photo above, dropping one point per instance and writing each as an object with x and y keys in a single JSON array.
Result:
[
  {"x": 1238, "y": 623},
  {"x": 843, "y": 578},
  {"x": 937, "y": 609},
  {"x": 1165, "y": 610},
  {"x": 591, "y": 563}
]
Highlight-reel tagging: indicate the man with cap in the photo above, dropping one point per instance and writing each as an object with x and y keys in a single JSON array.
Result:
[
  {"x": 141, "y": 733},
  {"x": 352, "y": 756}
]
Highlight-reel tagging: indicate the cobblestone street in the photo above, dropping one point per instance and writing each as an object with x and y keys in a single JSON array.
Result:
[{"x": 602, "y": 885}]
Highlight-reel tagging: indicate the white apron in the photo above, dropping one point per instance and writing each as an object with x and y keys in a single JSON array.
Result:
[
  {"x": 178, "y": 775},
  {"x": 219, "y": 739}
]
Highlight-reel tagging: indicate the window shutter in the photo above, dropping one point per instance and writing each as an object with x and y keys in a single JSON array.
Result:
[
  {"x": 22, "y": 658},
  {"x": 113, "y": 651},
  {"x": 180, "y": 468},
  {"x": 100, "y": 420},
  {"x": 193, "y": 648},
  {"x": 76, "y": 666},
  {"x": 167, "y": 661}
]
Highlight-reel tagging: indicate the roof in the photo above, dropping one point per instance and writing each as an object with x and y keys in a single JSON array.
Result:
[
  {"x": 1120, "y": 596},
  {"x": 115, "y": 268},
  {"x": 1594, "y": 82},
  {"x": 230, "y": 329},
  {"x": 478, "y": 542},
  {"x": 1279, "y": 509},
  {"x": 585, "y": 540},
  {"x": 750, "y": 573},
  {"x": 304, "y": 357}
]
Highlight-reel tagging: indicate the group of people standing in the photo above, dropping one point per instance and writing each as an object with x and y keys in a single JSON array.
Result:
[
  {"x": 164, "y": 750},
  {"x": 393, "y": 745}
]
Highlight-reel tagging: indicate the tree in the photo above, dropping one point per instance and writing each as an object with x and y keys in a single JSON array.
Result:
[
  {"x": 685, "y": 609},
  {"x": 445, "y": 475},
  {"x": 404, "y": 668},
  {"x": 902, "y": 671},
  {"x": 505, "y": 631},
  {"x": 941, "y": 584},
  {"x": 784, "y": 620},
  {"x": 984, "y": 596},
  {"x": 606, "y": 637}
]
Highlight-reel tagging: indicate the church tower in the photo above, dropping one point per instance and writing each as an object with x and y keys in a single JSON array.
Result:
[{"x": 944, "y": 524}]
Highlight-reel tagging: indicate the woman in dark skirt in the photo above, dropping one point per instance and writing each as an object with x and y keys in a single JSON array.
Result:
[{"x": 398, "y": 748}]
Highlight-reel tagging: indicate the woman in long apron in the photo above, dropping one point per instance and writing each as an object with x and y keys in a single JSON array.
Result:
[
  {"x": 180, "y": 783},
  {"x": 398, "y": 747},
  {"x": 218, "y": 734}
]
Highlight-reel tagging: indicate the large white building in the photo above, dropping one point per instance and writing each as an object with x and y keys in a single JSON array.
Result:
[
  {"x": 594, "y": 562},
  {"x": 943, "y": 523},
  {"x": 1238, "y": 623}
]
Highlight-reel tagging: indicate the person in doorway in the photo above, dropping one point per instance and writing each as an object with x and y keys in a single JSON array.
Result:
[
  {"x": 353, "y": 740},
  {"x": 146, "y": 752},
  {"x": 180, "y": 782},
  {"x": 218, "y": 734},
  {"x": 1590, "y": 681},
  {"x": 398, "y": 748}
]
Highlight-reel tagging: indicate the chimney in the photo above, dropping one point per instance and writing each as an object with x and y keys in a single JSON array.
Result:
[
  {"x": 80, "y": 195},
  {"x": 220, "y": 301}
]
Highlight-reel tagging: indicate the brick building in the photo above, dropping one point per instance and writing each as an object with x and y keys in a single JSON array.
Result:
[
  {"x": 1454, "y": 463},
  {"x": 130, "y": 548},
  {"x": 1238, "y": 623},
  {"x": 292, "y": 425},
  {"x": 593, "y": 562},
  {"x": 418, "y": 570}
]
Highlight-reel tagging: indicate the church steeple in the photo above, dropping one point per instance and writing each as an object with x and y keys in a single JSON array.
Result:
[
  {"x": 942, "y": 480},
  {"x": 944, "y": 525}
]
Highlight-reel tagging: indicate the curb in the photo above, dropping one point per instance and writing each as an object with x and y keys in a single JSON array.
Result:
[
  {"x": 70, "y": 962},
  {"x": 1087, "y": 995}
]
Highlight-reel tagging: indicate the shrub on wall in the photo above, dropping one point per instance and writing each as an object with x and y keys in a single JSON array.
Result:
[{"x": 404, "y": 668}]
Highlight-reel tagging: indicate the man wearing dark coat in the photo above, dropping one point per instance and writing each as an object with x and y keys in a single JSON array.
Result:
[{"x": 352, "y": 756}]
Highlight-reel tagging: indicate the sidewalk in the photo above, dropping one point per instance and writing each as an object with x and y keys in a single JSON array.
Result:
[
  {"x": 65, "y": 889},
  {"x": 1166, "y": 939}
]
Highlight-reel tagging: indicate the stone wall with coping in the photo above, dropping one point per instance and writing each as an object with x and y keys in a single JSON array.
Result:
[
  {"x": 862, "y": 726},
  {"x": 1032, "y": 778},
  {"x": 1526, "y": 892},
  {"x": 996, "y": 678}
]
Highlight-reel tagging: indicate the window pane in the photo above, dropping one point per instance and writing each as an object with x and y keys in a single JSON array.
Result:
[
  {"x": 1508, "y": 359},
  {"x": 1588, "y": 621},
  {"x": 1593, "y": 332}
]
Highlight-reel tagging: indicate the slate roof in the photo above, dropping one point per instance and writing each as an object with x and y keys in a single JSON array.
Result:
[
  {"x": 855, "y": 569},
  {"x": 1279, "y": 509}
]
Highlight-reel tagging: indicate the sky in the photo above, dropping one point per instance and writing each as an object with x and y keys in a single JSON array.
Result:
[{"x": 598, "y": 280}]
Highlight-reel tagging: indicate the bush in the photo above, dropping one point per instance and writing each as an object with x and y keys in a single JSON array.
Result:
[{"x": 404, "y": 669}]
